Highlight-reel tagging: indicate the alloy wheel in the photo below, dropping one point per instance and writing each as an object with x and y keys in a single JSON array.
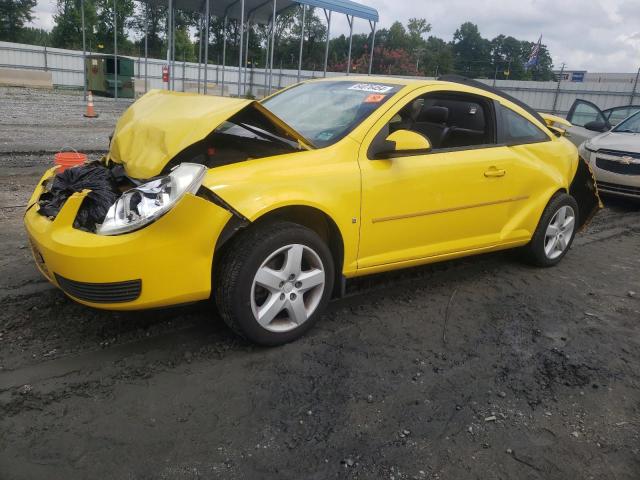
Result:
[
  {"x": 559, "y": 232},
  {"x": 287, "y": 288}
]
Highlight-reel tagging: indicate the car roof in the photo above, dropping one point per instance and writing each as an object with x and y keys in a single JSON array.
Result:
[
  {"x": 621, "y": 106},
  {"x": 378, "y": 79},
  {"x": 448, "y": 80}
]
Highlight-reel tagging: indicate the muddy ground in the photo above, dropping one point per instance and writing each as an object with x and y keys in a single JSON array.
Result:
[{"x": 481, "y": 368}]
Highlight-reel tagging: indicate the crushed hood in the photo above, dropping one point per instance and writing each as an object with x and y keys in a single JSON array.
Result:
[
  {"x": 556, "y": 124},
  {"x": 161, "y": 124}
]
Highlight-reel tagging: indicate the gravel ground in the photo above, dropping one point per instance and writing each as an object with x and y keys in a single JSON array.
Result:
[
  {"x": 480, "y": 368},
  {"x": 34, "y": 120}
]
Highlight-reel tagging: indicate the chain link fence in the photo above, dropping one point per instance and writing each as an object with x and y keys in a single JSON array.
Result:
[{"x": 66, "y": 67}]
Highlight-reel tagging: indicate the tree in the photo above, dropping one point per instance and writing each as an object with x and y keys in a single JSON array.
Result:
[
  {"x": 287, "y": 39},
  {"x": 508, "y": 58},
  {"x": 13, "y": 15},
  {"x": 471, "y": 51},
  {"x": 436, "y": 58},
  {"x": 151, "y": 20},
  {"x": 400, "y": 49},
  {"x": 397, "y": 38},
  {"x": 105, "y": 28},
  {"x": 185, "y": 51},
  {"x": 67, "y": 31},
  {"x": 339, "y": 50},
  {"x": 417, "y": 27},
  {"x": 34, "y": 36},
  {"x": 385, "y": 61}
]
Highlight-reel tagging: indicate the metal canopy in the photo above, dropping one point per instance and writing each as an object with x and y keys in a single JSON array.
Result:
[
  {"x": 247, "y": 12},
  {"x": 345, "y": 6},
  {"x": 260, "y": 11}
]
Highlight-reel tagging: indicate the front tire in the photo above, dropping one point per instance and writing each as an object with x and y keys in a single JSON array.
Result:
[
  {"x": 273, "y": 282},
  {"x": 555, "y": 232}
]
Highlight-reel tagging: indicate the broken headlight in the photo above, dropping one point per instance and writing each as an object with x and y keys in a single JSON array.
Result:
[{"x": 147, "y": 202}]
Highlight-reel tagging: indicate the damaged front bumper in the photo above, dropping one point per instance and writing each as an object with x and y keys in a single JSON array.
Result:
[{"x": 165, "y": 263}]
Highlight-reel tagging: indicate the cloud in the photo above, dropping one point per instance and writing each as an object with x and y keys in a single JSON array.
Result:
[
  {"x": 594, "y": 35},
  {"x": 44, "y": 12}
]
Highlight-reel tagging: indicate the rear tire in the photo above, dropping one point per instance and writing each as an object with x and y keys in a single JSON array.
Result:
[
  {"x": 555, "y": 232},
  {"x": 273, "y": 282}
]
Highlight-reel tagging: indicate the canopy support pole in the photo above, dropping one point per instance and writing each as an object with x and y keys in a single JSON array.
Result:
[
  {"x": 200, "y": 33},
  {"x": 246, "y": 56},
  {"x": 168, "y": 41},
  {"x": 224, "y": 51},
  {"x": 240, "y": 44},
  {"x": 173, "y": 48},
  {"x": 84, "y": 53},
  {"x": 265, "y": 83},
  {"x": 115, "y": 51},
  {"x": 350, "y": 20},
  {"x": 207, "y": 16},
  {"x": 301, "y": 41},
  {"x": 273, "y": 44},
  {"x": 373, "y": 43},
  {"x": 146, "y": 47},
  {"x": 326, "y": 46}
]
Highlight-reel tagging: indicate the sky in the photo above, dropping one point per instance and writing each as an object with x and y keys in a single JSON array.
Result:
[{"x": 593, "y": 35}]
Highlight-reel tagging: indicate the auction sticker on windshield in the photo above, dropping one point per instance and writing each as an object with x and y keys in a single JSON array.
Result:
[
  {"x": 371, "y": 87},
  {"x": 374, "y": 98}
]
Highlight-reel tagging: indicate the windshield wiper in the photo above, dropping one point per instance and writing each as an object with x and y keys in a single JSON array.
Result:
[
  {"x": 270, "y": 136},
  {"x": 625, "y": 130}
]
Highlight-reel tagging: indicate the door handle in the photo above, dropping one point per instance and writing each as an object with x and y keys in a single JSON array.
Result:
[{"x": 495, "y": 172}]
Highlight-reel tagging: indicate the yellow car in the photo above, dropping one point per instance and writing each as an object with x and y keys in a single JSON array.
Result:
[{"x": 268, "y": 207}]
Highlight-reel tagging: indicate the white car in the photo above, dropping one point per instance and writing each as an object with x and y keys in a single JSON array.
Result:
[
  {"x": 587, "y": 120},
  {"x": 614, "y": 157}
]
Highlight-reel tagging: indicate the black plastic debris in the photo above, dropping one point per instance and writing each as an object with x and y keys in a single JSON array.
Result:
[{"x": 103, "y": 183}]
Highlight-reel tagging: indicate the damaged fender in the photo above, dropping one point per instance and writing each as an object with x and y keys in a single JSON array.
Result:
[{"x": 583, "y": 188}]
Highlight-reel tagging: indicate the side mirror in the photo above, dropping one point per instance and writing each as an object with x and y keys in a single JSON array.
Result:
[
  {"x": 596, "y": 126},
  {"x": 404, "y": 142}
]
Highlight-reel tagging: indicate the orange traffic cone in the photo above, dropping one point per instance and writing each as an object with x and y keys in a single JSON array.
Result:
[{"x": 91, "y": 113}]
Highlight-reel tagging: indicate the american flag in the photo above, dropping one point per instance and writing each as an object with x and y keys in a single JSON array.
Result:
[{"x": 535, "y": 55}]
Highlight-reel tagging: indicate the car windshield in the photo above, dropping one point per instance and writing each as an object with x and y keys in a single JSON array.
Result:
[
  {"x": 630, "y": 125},
  {"x": 324, "y": 112}
]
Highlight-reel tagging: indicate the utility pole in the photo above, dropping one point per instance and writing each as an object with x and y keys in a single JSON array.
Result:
[
  {"x": 635, "y": 86},
  {"x": 555, "y": 99}
]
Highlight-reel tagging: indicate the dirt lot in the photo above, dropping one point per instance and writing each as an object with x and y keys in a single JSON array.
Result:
[{"x": 481, "y": 368}]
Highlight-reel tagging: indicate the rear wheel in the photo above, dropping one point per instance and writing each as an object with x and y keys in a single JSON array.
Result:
[
  {"x": 273, "y": 282},
  {"x": 555, "y": 232}
]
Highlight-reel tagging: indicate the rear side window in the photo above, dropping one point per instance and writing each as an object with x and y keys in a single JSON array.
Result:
[
  {"x": 616, "y": 115},
  {"x": 449, "y": 120},
  {"x": 517, "y": 129}
]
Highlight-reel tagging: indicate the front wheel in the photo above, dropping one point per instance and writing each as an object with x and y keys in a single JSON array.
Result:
[
  {"x": 555, "y": 232},
  {"x": 273, "y": 282}
]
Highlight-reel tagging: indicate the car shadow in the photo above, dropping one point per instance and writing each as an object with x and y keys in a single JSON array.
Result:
[{"x": 620, "y": 204}]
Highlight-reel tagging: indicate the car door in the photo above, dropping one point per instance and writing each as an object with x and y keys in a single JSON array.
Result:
[
  {"x": 444, "y": 202},
  {"x": 581, "y": 113},
  {"x": 615, "y": 115}
]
